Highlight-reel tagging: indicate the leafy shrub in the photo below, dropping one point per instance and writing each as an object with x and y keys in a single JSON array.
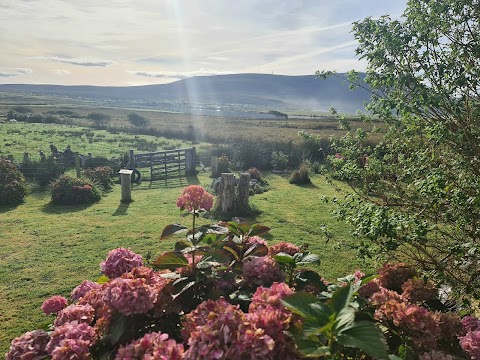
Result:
[
  {"x": 300, "y": 176},
  {"x": 255, "y": 174},
  {"x": 67, "y": 190},
  {"x": 223, "y": 164},
  {"x": 43, "y": 172},
  {"x": 13, "y": 188},
  {"x": 101, "y": 175},
  {"x": 99, "y": 161},
  {"x": 279, "y": 160}
]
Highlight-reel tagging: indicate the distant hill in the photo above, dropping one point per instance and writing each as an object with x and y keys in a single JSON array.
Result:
[{"x": 253, "y": 90}]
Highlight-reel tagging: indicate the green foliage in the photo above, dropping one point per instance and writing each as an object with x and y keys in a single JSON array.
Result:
[
  {"x": 137, "y": 120},
  {"x": 13, "y": 188},
  {"x": 223, "y": 164},
  {"x": 300, "y": 176},
  {"x": 279, "y": 160},
  {"x": 100, "y": 175},
  {"x": 419, "y": 191},
  {"x": 99, "y": 119},
  {"x": 67, "y": 190},
  {"x": 278, "y": 114},
  {"x": 43, "y": 172},
  {"x": 255, "y": 174}
]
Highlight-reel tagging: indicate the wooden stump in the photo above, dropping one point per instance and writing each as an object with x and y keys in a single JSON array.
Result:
[
  {"x": 243, "y": 190},
  {"x": 226, "y": 195}
]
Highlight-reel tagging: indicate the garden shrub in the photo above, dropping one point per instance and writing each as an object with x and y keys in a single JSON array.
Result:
[
  {"x": 300, "y": 176},
  {"x": 223, "y": 293},
  {"x": 67, "y": 190},
  {"x": 279, "y": 160},
  {"x": 43, "y": 172},
  {"x": 100, "y": 175},
  {"x": 255, "y": 174},
  {"x": 13, "y": 188},
  {"x": 93, "y": 162}
]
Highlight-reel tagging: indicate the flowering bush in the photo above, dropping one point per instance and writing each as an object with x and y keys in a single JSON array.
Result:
[
  {"x": 195, "y": 198},
  {"x": 67, "y": 190},
  {"x": 13, "y": 188},
  {"x": 220, "y": 295},
  {"x": 100, "y": 175}
]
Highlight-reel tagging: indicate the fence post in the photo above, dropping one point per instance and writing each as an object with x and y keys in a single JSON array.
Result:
[
  {"x": 126, "y": 184},
  {"x": 131, "y": 160},
  {"x": 190, "y": 161},
  {"x": 243, "y": 190},
  {"x": 77, "y": 164},
  {"x": 228, "y": 192}
]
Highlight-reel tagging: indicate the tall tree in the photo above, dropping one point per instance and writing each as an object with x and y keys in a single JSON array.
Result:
[{"x": 418, "y": 192}]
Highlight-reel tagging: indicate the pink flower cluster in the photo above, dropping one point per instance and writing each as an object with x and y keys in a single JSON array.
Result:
[
  {"x": 255, "y": 240},
  {"x": 262, "y": 271},
  {"x": 436, "y": 355},
  {"x": 152, "y": 346},
  {"x": 416, "y": 290},
  {"x": 31, "y": 345},
  {"x": 193, "y": 198},
  {"x": 54, "y": 304},
  {"x": 82, "y": 289},
  {"x": 470, "y": 343},
  {"x": 130, "y": 296},
  {"x": 71, "y": 340},
  {"x": 120, "y": 261},
  {"x": 392, "y": 276},
  {"x": 80, "y": 313},
  {"x": 284, "y": 247}
]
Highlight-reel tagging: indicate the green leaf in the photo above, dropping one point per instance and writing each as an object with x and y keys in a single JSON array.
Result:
[
  {"x": 172, "y": 229},
  {"x": 312, "y": 348},
  {"x": 181, "y": 245},
  {"x": 316, "y": 326},
  {"x": 216, "y": 257},
  {"x": 341, "y": 298},
  {"x": 185, "y": 288},
  {"x": 300, "y": 302},
  {"x": 345, "y": 318},
  {"x": 118, "y": 326},
  {"x": 312, "y": 277},
  {"x": 365, "y": 336},
  {"x": 170, "y": 260},
  {"x": 232, "y": 251},
  {"x": 284, "y": 259},
  {"x": 171, "y": 275},
  {"x": 305, "y": 259},
  {"x": 102, "y": 280},
  {"x": 257, "y": 229},
  {"x": 256, "y": 250}
]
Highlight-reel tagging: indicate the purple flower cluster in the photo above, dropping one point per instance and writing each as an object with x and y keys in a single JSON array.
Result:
[
  {"x": 152, "y": 346},
  {"x": 470, "y": 343},
  {"x": 119, "y": 262},
  {"x": 71, "y": 340},
  {"x": 82, "y": 289},
  {"x": 284, "y": 247},
  {"x": 80, "y": 313},
  {"x": 54, "y": 304},
  {"x": 262, "y": 271},
  {"x": 31, "y": 345}
]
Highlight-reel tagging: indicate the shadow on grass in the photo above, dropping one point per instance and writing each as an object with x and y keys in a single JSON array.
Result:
[
  {"x": 7, "y": 208},
  {"x": 51, "y": 208},
  {"x": 310, "y": 185},
  {"x": 167, "y": 183},
  {"x": 122, "y": 209}
]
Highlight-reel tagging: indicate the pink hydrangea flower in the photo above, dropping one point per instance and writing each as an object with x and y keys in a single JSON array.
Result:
[
  {"x": 417, "y": 290},
  {"x": 81, "y": 336},
  {"x": 120, "y": 261},
  {"x": 82, "y": 289},
  {"x": 262, "y": 271},
  {"x": 81, "y": 313},
  {"x": 284, "y": 247},
  {"x": 131, "y": 296},
  {"x": 370, "y": 288},
  {"x": 193, "y": 198},
  {"x": 392, "y": 276},
  {"x": 358, "y": 275},
  {"x": 264, "y": 296},
  {"x": 151, "y": 346},
  {"x": 54, "y": 304},
  {"x": 471, "y": 323},
  {"x": 255, "y": 240},
  {"x": 470, "y": 343},
  {"x": 31, "y": 345}
]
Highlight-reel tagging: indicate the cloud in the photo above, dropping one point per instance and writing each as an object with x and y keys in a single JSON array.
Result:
[
  {"x": 61, "y": 72},
  {"x": 77, "y": 61},
  {"x": 10, "y": 72}
]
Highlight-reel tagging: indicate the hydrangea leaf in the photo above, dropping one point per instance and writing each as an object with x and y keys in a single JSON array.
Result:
[
  {"x": 172, "y": 229},
  {"x": 365, "y": 336},
  {"x": 169, "y": 260}
]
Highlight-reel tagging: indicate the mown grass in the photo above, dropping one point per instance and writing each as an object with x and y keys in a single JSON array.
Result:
[{"x": 47, "y": 250}]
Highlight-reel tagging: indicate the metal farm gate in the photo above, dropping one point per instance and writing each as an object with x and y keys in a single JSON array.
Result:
[{"x": 165, "y": 164}]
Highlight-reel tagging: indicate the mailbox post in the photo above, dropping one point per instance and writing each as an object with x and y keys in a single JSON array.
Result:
[{"x": 126, "y": 183}]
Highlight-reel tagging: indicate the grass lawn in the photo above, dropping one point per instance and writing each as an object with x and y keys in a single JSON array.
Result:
[{"x": 47, "y": 250}]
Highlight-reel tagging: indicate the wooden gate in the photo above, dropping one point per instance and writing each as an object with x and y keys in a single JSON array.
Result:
[{"x": 165, "y": 164}]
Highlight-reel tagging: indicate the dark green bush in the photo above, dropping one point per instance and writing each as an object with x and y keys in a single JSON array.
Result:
[
  {"x": 300, "y": 176},
  {"x": 100, "y": 175},
  {"x": 279, "y": 160},
  {"x": 67, "y": 190},
  {"x": 13, "y": 188},
  {"x": 42, "y": 172}
]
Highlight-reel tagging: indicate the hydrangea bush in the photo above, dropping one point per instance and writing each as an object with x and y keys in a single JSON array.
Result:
[
  {"x": 67, "y": 190},
  {"x": 13, "y": 188},
  {"x": 102, "y": 175},
  {"x": 223, "y": 293}
]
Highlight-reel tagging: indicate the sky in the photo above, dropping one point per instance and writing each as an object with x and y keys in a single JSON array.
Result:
[{"x": 125, "y": 43}]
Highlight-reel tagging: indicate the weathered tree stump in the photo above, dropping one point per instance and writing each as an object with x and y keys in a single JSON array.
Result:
[
  {"x": 243, "y": 190},
  {"x": 226, "y": 194}
]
